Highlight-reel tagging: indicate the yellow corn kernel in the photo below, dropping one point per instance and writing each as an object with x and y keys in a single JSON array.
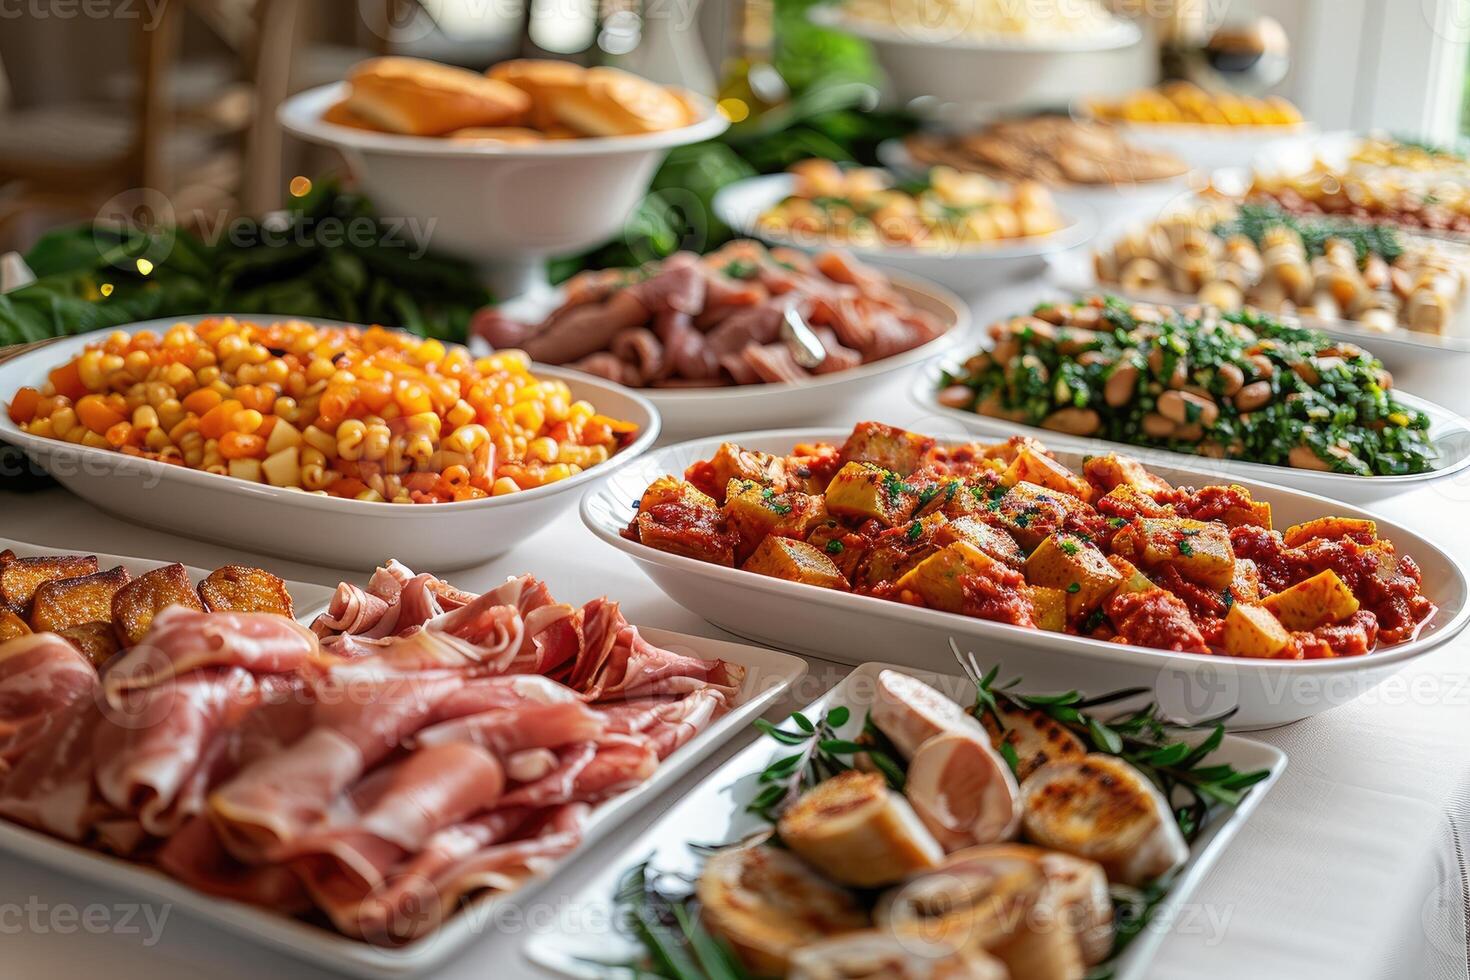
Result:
[
  {"x": 206, "y": 376},
  {"x": 502, "y": 486},
  {"x": 171, "y": 413},
  {"x": 556, "y": 471},
  {"x": 371, "y": 495},
  {"x": 40, "y": 427},
  {"x": 529, "y": 415},
  {"x": 247, "y": 420},
  {"x": 544, "y": 449},
  {"x": 156, "y": 439},
  {"x": 63, "y": 420},
  {"x": 89, "y": 368},
  {"x": 466, "y": 439},
  {"x": 350, "y": 436},
  {"x": 95, "y": 439},
  {"x": 320, "y": 369},
  {"x": 424, "y": 422},
  {"x": 145, "y": 417},
  {"x": 229, "y": 345},
  {"x": 137, "y": 363}
]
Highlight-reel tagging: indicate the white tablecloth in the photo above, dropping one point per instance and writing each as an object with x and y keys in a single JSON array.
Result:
[{"x": 1353, "y": 868}]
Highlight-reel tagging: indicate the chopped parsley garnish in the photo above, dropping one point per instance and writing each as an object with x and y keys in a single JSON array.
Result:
[
  {"x": 1093, "y": 621},
  {"x": 1185, "y": 548},
  {"x": 1070, "y": 547},
  {"x": 894, "y": 487},
  {"x": 930, "y": 492},
  {"x": 1023, "y": 518},
  {"x": 1075, "y": 588},
  {"x": 915, "y": 529},
  {"x": 1117, "y": 522},
  {"x": 1228, "y": 598},
  {"x": 834, "y": 547},
  {"x": 769, "y": 496}
]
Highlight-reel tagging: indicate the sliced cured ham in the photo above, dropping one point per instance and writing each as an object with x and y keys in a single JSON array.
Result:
[
  {"x": 182, "y": 640},
  {"x": 911, "y": 712},
  {"x": 41, "y": 677},
  {"x": 963, "y": 790}
]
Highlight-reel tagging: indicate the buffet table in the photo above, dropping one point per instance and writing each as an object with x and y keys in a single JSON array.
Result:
[{"x": 1354, "y": 866}]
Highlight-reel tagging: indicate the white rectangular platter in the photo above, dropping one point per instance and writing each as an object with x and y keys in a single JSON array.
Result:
[
  {"x": 714, "y": 813},
  {"x": 855, "y": 628},
  {"x": 307, "y": 599},
  {"x": 768, "y": 675}
]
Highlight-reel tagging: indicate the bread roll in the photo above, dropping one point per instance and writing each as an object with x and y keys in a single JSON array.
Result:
[
  {"x": 612, "y": 102},
  {"x": 539, "y": 78},
  {"x": 497, "y": 134},
  {"x": 342, "y": 114},
  {"x": 421, "y": 98}
]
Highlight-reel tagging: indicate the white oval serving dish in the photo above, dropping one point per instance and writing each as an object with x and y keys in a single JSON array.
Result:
[
  {"x": 854, "y": 628},
  {"x": 713, "y": 812},
  {"x": 964, "y": 269},
  {"x": 1450, "y": 432},
  {"x": 303, "y": 526},
  {"x": 963, "y": 72},
  {"x": 768, "y": 675},
  {"x": 1206, "y": 147},
  {"x": 1116, "y": 206},
  {"x": 690, "y": 412}
]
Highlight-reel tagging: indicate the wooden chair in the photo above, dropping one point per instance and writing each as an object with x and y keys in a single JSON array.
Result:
[{"x": 69, "y": 159}]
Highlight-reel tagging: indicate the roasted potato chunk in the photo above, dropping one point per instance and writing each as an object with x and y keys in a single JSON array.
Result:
[
  {"x": 847, "y": 549},
  {"x": 1200, "y": 550},
  {"x": 240, "y": 588},
  {"x": 755, "y": 512},
  {"x": 936, "y": 579},
  {"x": 1133, "y": 580},
  {"x": 1324, "y": 598},
  {"x": 870, "y": 492},
  {"x": 1129, "y": 502},
  {"x": 1065, "y": 561},
  {"x": 1030, "y": 513},
  {"x": 21, "y": 577},
  {"x": 991, "y": 540},
  {"x": 63, "y": 603},
  {"x": 1112, "y": 471},
  {"x": 732, "y": 462},
  {"x": 884, "y": 445},
  {"x": 135, "y": 604},
  {"x": 97, "y": 641},
  {"x": 11, "y": 625},
  {"x": 1331, "y": 529},
  {"x": 670, "y": 490},
  {"x": 1254, "y": 631},
  {"x": 1031, "y": 466},
  {"x": 795, "y": 561},
  {"x": 1048, "y": 608}
]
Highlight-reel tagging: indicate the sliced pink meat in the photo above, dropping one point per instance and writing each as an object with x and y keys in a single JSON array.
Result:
[{"x": 41, "y": 677}]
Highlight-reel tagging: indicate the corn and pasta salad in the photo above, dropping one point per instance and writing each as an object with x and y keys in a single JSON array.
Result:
[{"x": 368, "y": 414}]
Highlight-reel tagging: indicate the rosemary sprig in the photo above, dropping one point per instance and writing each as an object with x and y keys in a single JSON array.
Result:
[
  {"x": 665, "y": 923},
  {"x": 1142, "y": 737},
  {"x": 820, "y": 755}
]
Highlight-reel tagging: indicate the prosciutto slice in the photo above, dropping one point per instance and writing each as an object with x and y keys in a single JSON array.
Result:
[
  {"x": 182, "y": 640},
  {"x": 41, "y": 677}
]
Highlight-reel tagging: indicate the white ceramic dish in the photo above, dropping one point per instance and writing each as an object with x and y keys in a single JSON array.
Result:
[
  {"x": 1399, "y": 348},
  {"x": 1116, "y": 206},
  {"x": 303, "y": 526},
  {"x": 966, "y": 270},
  {"x": 1206, "y": 147},
  {"x": 768, "y": 675},
  {"x": 507, "y": 206},
  {"x": 853, "y": 628},
  {"x": 1450, "y": 432},
  {"x": 690, "y": 412},
  {"x": 962, "y": 73},
  {"x": 714, "y": 812},
  {"x": 307, "y": 599}
]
